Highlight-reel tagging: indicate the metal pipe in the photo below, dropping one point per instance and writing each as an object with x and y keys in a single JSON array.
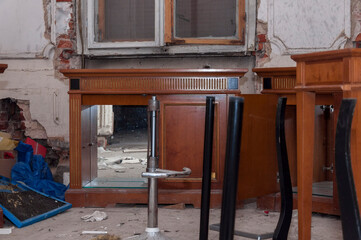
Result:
[
  {"x": 152, "y": 165},
  {"x": 233, "y": 148},
  {"x": 207, "y": 168}
]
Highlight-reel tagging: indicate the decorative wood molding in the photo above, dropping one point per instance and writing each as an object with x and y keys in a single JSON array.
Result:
[
  {"x": 75, "y": 138},
  {"x": 280, "y": 80},
  {"x": 3, "y": 67},
  {"x": 149, "y": 81}
]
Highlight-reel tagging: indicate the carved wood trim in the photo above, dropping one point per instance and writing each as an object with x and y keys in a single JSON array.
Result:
[
  {"x": 146, "y": 84},
  {"x": 75, "y": 136},
  {"x": 281, "y": 78}
]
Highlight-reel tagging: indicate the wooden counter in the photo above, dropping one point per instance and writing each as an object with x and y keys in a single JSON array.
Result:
[{"x": 182, "y": 94}]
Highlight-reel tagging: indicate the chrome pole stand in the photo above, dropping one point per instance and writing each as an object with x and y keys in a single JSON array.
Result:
[{"x": 152, "y": 231}]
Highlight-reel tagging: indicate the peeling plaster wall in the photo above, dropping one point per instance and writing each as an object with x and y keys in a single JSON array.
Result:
[
  {"x": 33, "y": 80},
  {"x": 287, "y": 27},
  {"x": 23, "y": 33},
  {"x": 28, "y": 49}
]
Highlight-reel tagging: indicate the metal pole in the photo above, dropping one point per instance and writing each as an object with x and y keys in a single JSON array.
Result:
[
  {"x": 207, "y": 168},
  {"x": 233, "y": 148},
  {"x": 152, "y": 165}
]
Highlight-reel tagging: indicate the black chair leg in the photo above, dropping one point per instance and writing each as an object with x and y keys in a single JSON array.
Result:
[
  {"x": 285, "y": 217},
  {"x": 233, "y": 148},
  {"x": 350, "y": 216},
  {"x": 284, "y": 222},
  {"x": 207, "y": 168}
]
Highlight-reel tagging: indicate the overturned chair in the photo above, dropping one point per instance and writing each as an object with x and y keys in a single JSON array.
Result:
[{"x": 226, "y": 227}]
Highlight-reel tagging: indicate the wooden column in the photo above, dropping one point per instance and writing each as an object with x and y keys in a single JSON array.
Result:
[
  {"x": 75, "y": 138},
  {"x": 305, "y": 139}
]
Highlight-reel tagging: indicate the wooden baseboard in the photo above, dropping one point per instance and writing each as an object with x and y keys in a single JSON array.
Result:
[
  {"x": 324, "y": 205},
  {"x": 102, "y": 197}
]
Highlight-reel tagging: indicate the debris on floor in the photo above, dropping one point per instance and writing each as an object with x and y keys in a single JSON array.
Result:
[
  {"x": 107, "y": 237},
  {"x": 133, "y": 150},
  {"x": 96, "y": 216},
  {"x": 24, "y": 206},
  {"x": 178, "y": 206},
  {"x": 94, "y": 232},
  {"x": 5, "y": 231}
]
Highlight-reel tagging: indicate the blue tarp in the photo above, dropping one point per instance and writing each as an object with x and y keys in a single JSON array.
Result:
[{"x": 34, "y": 172}]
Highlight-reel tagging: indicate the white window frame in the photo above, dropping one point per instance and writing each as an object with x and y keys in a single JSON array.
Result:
[
  {"x": 88, "y": 46},
  {"x": 92, "y": 44}
]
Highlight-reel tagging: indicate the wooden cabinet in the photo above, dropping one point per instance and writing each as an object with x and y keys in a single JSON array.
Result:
[
  {"x": 182, "y": 96},
  {"x": 282, "y": 82},
  {"x": 182, "y": 119}
]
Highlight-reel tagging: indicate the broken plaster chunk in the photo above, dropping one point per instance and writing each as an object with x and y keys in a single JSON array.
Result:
[
  {"x": 5, "y": 231},
  {"x": 130, "y": 160},
  {"x": 94, "y": 232},
  {"x": 96, "y": 216}
]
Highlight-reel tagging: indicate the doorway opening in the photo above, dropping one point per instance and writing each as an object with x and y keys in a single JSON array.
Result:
[{"x": 122, "y": 133}]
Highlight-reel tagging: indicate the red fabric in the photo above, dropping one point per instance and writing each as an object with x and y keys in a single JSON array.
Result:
[
  {"x": 8, "y": 155},
  {"x": 37, "y": 148}
]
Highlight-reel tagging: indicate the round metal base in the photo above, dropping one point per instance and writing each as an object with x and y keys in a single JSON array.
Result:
[{"x": 150, "y": 234}]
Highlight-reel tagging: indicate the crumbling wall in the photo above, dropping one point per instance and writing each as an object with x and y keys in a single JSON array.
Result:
[{"x": 287, "y": 27}]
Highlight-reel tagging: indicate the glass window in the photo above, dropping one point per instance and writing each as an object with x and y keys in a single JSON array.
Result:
[
  {"x": 205, "y": 18},
  {"x": 125, "y": 20}
]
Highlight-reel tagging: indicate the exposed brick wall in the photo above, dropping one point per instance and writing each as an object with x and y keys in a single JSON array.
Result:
[
  {"x": 66, "y": 41},
  {"x": 12, "y": 119}
]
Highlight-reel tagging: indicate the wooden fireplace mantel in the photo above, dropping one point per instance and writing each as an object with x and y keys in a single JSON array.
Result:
[{"x": 3, "y": 67}]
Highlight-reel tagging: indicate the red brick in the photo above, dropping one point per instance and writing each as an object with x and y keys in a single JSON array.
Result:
[
  {"x": 21, "y": 116},
  {"x": 260, "y": 46},
  {"x": 18, "y": 135},
  {"x": 17, "y": 125},
  {"x": 22, "y": 126},
  {"x": 4, "y": 125},
  {"x": 4, "y": 116},
  {"x": 64, "y": 36},
  {"x": 262, "y": 38},
  {"x": 65, "y": 44},
  {"x": 358, "y": 38}
]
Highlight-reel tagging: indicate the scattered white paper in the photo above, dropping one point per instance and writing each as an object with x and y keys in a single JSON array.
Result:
[{"x": 96, "y": 216}]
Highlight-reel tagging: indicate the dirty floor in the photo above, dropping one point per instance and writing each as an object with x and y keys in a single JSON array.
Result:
[{"x": 182, "y": 224}]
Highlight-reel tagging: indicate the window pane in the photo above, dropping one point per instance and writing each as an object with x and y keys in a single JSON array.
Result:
[
  {"x": 205, "y": 18},
  {"x": 125, "y": 20}
]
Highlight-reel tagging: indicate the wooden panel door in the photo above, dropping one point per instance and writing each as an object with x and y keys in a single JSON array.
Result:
[
  {"x": 181, "y": 138},
  {"x": 258, "y": 160}
]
